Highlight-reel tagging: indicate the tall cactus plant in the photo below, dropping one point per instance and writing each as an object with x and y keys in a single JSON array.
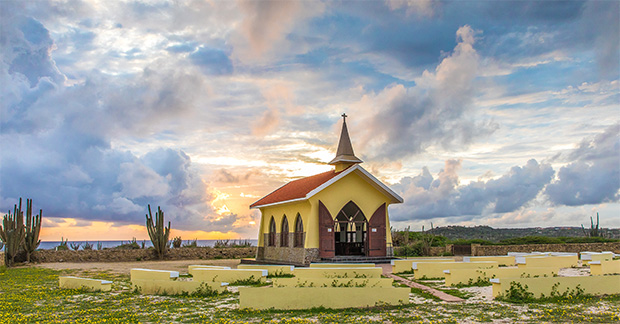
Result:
[
  {"x": 33, "y": 228},
  {"x": 158, "y": 233},
  {"x": 12, "y": 233}
]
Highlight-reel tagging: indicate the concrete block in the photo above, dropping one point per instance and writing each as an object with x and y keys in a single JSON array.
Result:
[
  {"x": 435, "y": 269},
  {"x": 228, "y": 275},
  {"x": 405, "y": 265},
  {"x": 601, "y": 268},
  {"x": 191, "y": 268},
  {"x": 506, "y": 260},
  {"x": 304, "y": 298},
  {"x": 84, "y": 283},
  {"x": 462, "y": 276},
  {"x": 365, "y": 272},
  {"x": 175, "y": 287},
  {"x": 335, "y": 282},
  {"x": 560, "y": 261},
  {"x": 150, "y": 274},
  {"x": 342, "y": 265},
  {"x": 271, "y": 269},
  {"x": 595, "y": 285}
]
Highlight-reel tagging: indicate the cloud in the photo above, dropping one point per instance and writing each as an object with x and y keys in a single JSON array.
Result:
[
  {"x": 267, "y": 23},
  {"x": 427, "y": 197},
  {"x": 419, "y": 7},
  {"x": 593, "y": 175},
  {"x": 61, "y": 139},
  {"x": 436, "y": 111}
]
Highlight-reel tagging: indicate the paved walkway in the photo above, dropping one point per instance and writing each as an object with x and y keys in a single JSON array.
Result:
[{"x": 387, "y": 271}]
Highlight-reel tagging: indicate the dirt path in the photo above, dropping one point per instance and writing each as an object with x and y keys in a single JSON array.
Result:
[{"x": 125, "y": 267}]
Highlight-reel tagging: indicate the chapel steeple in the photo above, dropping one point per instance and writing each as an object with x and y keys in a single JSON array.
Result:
[{"x": 344, "y": 155}]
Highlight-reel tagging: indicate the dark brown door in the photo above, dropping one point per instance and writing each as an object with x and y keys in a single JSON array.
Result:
[
  {"x": 376, "y": 232},
  {"x": 326, "y": 233}
]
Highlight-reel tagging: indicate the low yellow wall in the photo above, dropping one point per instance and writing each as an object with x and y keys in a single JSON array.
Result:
[
  {"x": 338, "y": 272},
  {"x": 337, "y": 282},
  {"x": 228, "y": 275},
  {"x": 174, "y": 287},
  {"x": 271, "y": 269},
  {"x": 595, "y": 285},
  {"x": 435, "y": 269},
  {"x": 462, "y": 276},
  {"x": 563, "y": 261},
  {"x": 601, "y": 268},
  {"x": 602, "y": 257},
  {"x": 304, "y": 298},
  {"x": 597, "y": 256},
  {"x": 405, "y": 265},
  {"x": 342, "y": 265},
  {"x": 506, "y": 260},
  {"x": 191, "y": 268},
  {"x": 84, "y": 283},
  {"x": 149, "y": 274}
]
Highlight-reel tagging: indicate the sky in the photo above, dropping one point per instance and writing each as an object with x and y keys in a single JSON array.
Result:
[{"x": 502, "y": 113}]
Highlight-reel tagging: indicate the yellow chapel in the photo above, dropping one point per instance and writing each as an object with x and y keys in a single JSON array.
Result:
[{"x": 339, "y": 214}]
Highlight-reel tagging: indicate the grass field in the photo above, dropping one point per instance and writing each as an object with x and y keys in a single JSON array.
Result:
[{"x": 31, "y": 295}]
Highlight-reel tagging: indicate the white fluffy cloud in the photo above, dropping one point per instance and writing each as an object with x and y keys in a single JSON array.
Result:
[{"x": 401, "y": 121}]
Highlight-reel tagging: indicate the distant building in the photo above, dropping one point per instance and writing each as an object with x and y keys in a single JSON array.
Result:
[{"x": 343, "y": 212}]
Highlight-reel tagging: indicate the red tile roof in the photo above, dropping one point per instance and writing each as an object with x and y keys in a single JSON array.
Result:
[{"x": 296, "y": 189}]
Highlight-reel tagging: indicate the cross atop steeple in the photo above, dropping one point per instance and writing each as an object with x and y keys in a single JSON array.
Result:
[{"x": 344, "y": 155}]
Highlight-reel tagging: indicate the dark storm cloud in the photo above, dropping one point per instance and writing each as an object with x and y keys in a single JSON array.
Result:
[{"x": 593, "y": 176}]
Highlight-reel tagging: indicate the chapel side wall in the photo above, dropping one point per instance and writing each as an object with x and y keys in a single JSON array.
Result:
[{"x": 288, "y": 254}]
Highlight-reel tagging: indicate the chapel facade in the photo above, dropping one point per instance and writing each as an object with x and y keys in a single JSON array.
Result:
[{"x": 342, "y": 212}]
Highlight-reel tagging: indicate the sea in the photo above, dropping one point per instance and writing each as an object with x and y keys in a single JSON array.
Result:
[{"x": 48, "y": 245}]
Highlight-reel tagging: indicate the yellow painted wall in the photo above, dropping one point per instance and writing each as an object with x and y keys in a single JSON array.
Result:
[
  {"x": 272, "y": 269},
  {"x": 507, "y": 260},
  {"x": 190, "y": 268},
  {"x": 84, "y": 283},
  {"x": 174, "y": 287},
  {"x": 304, "y": 298},
  {"x": 601, "y": 268},
  {"x": 330, "y": 282},
  {"x": 342, "y": 265},
  {"x": 562, "y": 261},
  {"x": 595, "y": 285},
  {"x": 149, "y": 274},
  {"x": 435, "y": 269},
  {"x": 462, "y": 276},
  {"x": 601, "y": 256},
  {"x": 350, "y": 188},
  {"x": 278, "y": 212},
  {"x": 405, "y": 265},
  {"x": 228, "y": 275},
  {"x": 338, "y": 272}
]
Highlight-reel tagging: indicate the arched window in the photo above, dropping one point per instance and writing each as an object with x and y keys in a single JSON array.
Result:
[
  {"x": 272, "y": 232},
  {"x": 299, "y": 231},
  {"x": 284, "y": 232}
]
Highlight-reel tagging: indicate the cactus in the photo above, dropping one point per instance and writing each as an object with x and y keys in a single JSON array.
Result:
[
  {"x": 594, "y": 230},
  {"x": 12, "y": 233},
  {"x": 33, "y": 228},
  {"x": 158, "y": 233}
]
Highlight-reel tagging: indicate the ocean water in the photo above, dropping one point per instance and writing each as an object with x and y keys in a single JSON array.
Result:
[{"x": 47, "y": 245}]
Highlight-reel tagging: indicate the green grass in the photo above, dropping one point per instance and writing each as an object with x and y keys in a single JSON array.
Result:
[{"x": 31, "y": 295}]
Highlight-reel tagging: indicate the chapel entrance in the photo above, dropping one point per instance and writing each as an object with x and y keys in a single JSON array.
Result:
[{"x": 350, "y": 231}]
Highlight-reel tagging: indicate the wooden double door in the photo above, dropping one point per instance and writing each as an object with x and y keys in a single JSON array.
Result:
[{"x": 350, "y": 233}]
